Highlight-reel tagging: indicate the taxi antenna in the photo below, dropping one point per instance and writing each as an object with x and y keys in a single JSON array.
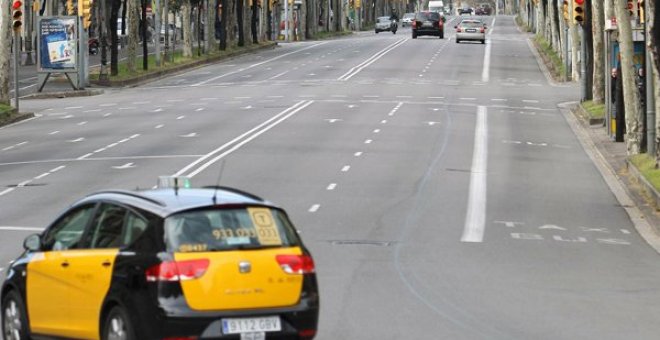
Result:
[{"x": 217, "y": 184}]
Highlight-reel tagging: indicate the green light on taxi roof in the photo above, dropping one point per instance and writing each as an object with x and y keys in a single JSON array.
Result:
[{"x": 175, "y": 182}]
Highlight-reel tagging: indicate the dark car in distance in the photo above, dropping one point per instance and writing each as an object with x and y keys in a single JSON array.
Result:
[{"x": 428, "y": 23}]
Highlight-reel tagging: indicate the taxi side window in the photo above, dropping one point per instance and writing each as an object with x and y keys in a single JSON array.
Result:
[
  {"x": 67, "y": 232},
  {"x": 107, "y": 226},
  {"x": 135, "y": 227}
]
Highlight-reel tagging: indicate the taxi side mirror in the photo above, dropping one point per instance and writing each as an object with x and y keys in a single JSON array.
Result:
[{"x": 32, "y": 242}]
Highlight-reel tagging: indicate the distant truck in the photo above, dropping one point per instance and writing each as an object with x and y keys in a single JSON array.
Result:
[{"x": 436, "y": 6}]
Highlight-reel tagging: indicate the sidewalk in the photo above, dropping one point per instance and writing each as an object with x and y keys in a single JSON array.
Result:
[{"x": 623, "y": 178}]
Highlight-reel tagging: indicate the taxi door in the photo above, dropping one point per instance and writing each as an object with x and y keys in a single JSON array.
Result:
[
  {"x": 89, "y": 273},
  {"x": 90, "y": 270},
  {"x": 48, "y": 281}
]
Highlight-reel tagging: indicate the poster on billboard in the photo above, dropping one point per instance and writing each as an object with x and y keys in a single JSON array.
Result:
[{"x": 58, "y": 37}]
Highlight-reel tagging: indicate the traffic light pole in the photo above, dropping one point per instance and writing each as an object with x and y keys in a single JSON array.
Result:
[
  {"x": 583, "y": 66},
  {"x": 17, "y": 61}
]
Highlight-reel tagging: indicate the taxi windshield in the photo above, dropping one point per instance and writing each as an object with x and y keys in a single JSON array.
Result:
[{"x": 228, "y": 229}]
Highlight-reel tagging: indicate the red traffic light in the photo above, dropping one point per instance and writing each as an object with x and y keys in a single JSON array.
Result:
[
  {"x": 579, "y": 2},
  {"x": 16, "y": 5}
]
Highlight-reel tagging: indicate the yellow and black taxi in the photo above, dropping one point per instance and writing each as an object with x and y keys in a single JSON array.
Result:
[{"x": 166, "y": 263}]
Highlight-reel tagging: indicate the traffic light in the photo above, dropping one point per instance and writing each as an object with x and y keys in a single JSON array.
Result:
[
  {"x": 85, "y": 12},
  {"x": 578, "y": 11},
  {"x": 69, "y": 7},
  {"x": 17, "y": 15},
  {"x": 564, "y": 10},
  {"x": 631, "y": 8},
  {"x": 640, "y": 10}
]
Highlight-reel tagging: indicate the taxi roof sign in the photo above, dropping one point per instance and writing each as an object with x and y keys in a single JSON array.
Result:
[{"x": 175, "y": 182}]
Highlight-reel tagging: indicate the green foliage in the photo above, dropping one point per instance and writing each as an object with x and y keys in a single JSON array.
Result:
[
  {"x": 646, "y": 165},
  {"x": 5, "y": 110},
  {"x": 594, "y": 110},
  {"x": 556, "y": 65}
]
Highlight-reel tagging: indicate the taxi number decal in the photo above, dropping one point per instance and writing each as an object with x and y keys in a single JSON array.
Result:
[
  {"x": 267, "y": 232},
  {"x": 224, "y": 233},
  {"x": 186, "y": 248}
]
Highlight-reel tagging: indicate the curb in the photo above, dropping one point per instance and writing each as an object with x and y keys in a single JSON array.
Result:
[
  {"x": 64, "y": 94},
  {"x": 587, "y": 117},
  {"x": 647, "y": 187},
  {"x": 646, "y": 229},
  {"x": 15, "y": 117}
]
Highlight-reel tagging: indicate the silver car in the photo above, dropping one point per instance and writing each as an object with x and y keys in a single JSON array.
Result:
[
  {"x": 385, "y": 24},
  {"x": 471, "y": 29},
  {"x": 407, "y": 19}
]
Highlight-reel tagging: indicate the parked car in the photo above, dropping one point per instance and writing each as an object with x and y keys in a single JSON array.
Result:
[
  {"x": 407, "y": 19},
  {"x": 166, "y": 263},
  {"x": 385, "y": 24},
  {"x": 428, "y": 23},
  {"x": 471, "y": 29}
]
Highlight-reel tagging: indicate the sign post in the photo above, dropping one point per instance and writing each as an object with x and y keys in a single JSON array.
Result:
[{"x": 57, "y": 50}]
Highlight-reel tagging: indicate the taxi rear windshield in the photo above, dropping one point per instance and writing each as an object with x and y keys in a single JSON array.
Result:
[{"x": 228, "y": 229}]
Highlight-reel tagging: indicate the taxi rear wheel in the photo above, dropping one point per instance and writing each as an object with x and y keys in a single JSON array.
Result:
[
  {"x": 14, "y": 320},
  {"x": 117, "y": 326}
]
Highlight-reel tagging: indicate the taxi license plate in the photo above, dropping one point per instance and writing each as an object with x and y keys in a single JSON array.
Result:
[
  {"x": 251, "y": 325},
  {"x": 470, "y": 30},
  {"x": 427, "y": 24}
]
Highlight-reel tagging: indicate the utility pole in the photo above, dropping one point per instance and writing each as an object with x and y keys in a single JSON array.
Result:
[
  {"x": 650, "y": 99},
  {"x": 28, "y": 35}
]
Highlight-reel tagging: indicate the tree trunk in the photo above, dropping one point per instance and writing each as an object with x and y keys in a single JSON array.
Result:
[
  {"x": 166, "y": 24},
  {"x": 211, "y": 11},
  {"x": 5, "y": 40},
  {"x": 232, "y": 26},
  {"x": 187, "y": 29},
  {"x": 598, "y": 24},
  {"x": 654, "y": 47},
  {"x": 631, "y": 93},
  {"x": 133, "y": 35},
  {"x": 554, "y": 25},
  {"x": 144, "y": 33},
  {"x": 114, "y": 48},
  {"x": 223, "y": 25},
  {"x": 254, "y": 22},
  {"x": 240, "y": 23}
]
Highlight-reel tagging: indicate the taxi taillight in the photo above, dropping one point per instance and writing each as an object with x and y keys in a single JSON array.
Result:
[
  {"x": 296, "y": 264},
  {"x": 177, "y": 270}
]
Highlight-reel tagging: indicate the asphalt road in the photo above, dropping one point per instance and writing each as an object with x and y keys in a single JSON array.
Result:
[{"x": 438, "y": 185}]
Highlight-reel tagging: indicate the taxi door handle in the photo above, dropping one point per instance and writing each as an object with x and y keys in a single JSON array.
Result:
[
  {"x": 106, "y": 263},
  {"x": 65, "y": 264}
]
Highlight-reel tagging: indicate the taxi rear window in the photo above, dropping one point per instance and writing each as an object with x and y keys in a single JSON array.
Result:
[{"x": 228, "y": 229}]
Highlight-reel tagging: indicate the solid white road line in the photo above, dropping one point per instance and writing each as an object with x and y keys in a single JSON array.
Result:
[
  {"x": 243, "y": 139},
  {"x": 475, "y": 218}
]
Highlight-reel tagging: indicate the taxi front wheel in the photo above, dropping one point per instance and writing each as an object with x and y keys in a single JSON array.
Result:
[
  {"x": 14, "y": 320},
  {"x": 117, "y": 326}
]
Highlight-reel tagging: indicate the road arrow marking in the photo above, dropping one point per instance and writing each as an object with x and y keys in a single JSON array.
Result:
[
  {"x": 552, "y": 226},
  {"x": 125, "y": 166}
]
